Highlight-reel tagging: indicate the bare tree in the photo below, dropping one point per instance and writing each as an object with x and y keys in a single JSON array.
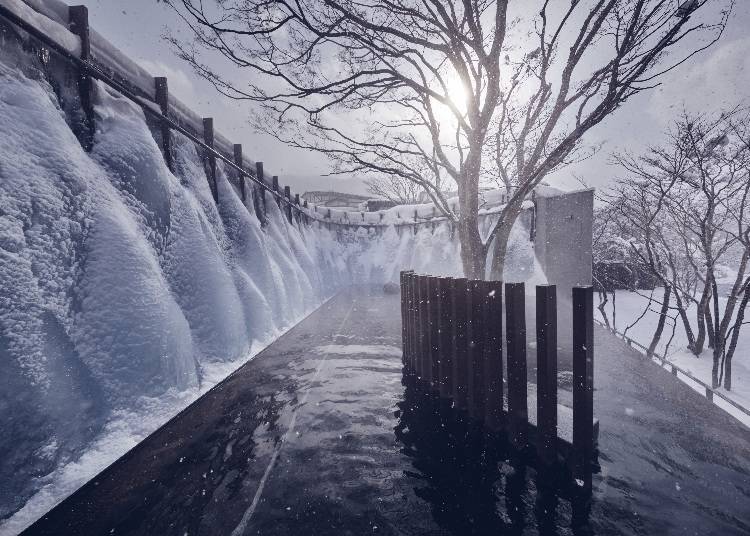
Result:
[
  {"x": 404, "y": 87},
  {"x": 686, "y": 207},
  {"x": 395, "y": 189}
]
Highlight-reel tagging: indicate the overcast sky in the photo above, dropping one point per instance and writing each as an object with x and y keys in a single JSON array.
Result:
[{"x": 718, "y": 77}]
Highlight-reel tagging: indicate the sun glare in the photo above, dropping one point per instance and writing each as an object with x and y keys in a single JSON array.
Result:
[{"x": 456, "y": 92}]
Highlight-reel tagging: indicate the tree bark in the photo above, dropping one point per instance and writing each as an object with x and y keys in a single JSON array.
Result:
[
  {"x": 507, "y": 218},
  {"x": 662, "y": 319},
  {"x": 735, "y": 336},
  {"x": 701, "y": 318},
  {"x": 473, "y": 251}
]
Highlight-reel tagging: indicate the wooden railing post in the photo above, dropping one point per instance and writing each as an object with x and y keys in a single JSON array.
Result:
[
  {"x": 459, "y": 293},
  {"x": 546, "y": 370},
  {"x": 78, "y": 23},
  {"x": 583, "y": 384},
  {"x": 161, "y": 94},
  {"x": 288, "y": 207},
  {"x": 210, "y": 158},
  {"x": 493, "y": 355},
  {"x": 261, "y": 191},
  {"x": 239, "y": 162},
  {"x": 275, "y": 188},
  {"x": 515, "y": 333}
]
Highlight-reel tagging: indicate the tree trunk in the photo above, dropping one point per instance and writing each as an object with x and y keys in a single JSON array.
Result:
[
  {"x": 473, "y": 252},
  {"x": 735, "y": 336},
  {"x": 660, "y": 325},
  {"x": 614, "y": 310},
  {"x": 508, "y": 217},
  {"x": 717, "y": 346},
  {"x": 701, "y": 318},
  {"x": 603, "y": 299},
  {"x": 685, "y": 322}
]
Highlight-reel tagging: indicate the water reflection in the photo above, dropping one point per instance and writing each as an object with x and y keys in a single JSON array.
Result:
[{"x": 474, "y": 482}]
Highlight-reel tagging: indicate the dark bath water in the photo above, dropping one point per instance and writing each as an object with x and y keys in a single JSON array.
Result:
[{"x": 320, "y": 434}]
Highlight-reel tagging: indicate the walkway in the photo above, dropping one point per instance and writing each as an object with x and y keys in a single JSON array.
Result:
[{"x": 319, "y": 435}]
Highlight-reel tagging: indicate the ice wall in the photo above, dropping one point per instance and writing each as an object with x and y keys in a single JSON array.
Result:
[
  {"x": 126, "y": 292},
  {"x": 121, "y": 282}
]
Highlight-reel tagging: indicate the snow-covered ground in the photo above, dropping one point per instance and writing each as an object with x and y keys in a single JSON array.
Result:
[
  {"x": 628, "y": 308},
  {"x": 126, "y": 292}
]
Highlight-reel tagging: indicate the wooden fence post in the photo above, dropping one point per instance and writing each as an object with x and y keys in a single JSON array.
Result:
[
  {"x": 239, "y": 162},
  {"x": 493, "y": 355},
  {"x": 418, "y": 297},
  {"x": 546, "y": 370},
  {"x": 404, "y": 313},
  {"x": 208, "y": 139},
  {"x": 515, "y": 333},
  {"x": 583, "y": 384},
  {"x": 161, "y": 92},
  {"x": 475, "y": 348},
  {"x": 296, "y": 208},
  {"x": 78, "y": 23},
  {"x": 433, "y": 319},
  {"x": 413, "y": 316},
  {"x": 445, "y": 349},
  {"x": 459, "y": 293},
  {"x": 424, "y": 323}
]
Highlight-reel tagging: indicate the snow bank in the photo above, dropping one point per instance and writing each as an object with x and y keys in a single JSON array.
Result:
[
  {"x": 628, "y": 308},
  {"x": 126, "y": 292}
]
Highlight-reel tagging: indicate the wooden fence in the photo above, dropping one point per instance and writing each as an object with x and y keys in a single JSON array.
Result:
[{"x": 452, "y": 331}]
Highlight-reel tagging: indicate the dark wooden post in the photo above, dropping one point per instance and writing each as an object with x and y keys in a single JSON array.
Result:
[
  {"x": 275, "y": 188},
  {"x": 515, "y": 334},
  {"x": 424, "y": 324},
  {"x": 546, "y": 371},
  {"x": 78, "y": 23},
  {"x": 459, "y": 293},
  {"x": 413, "y": 311},
  {"x": 475, "y": 348},
  {"x": 259, "y": 174},
  {"x": 583, "y": 384},
  {"x": 296, "y": 207},
  {"x": 288, "y": 195},
  {"x": 493, "y": 355},
  {"x": 404, "y": 312},
  {"x": 418, "y": 296},
  {"x": 427, "y": 319},
  {"x": 208, "y": 139},
  {"x": 445, "y": 345},
  {"x": 434, "y": 297},
  {"x": 239, "y": 162},
  {"x": 161, "y": 94}
]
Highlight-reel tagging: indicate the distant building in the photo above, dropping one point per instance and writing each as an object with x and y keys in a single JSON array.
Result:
[
  {"x": 335, "y": 199},
  {"x": 374, "y": 205}
]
